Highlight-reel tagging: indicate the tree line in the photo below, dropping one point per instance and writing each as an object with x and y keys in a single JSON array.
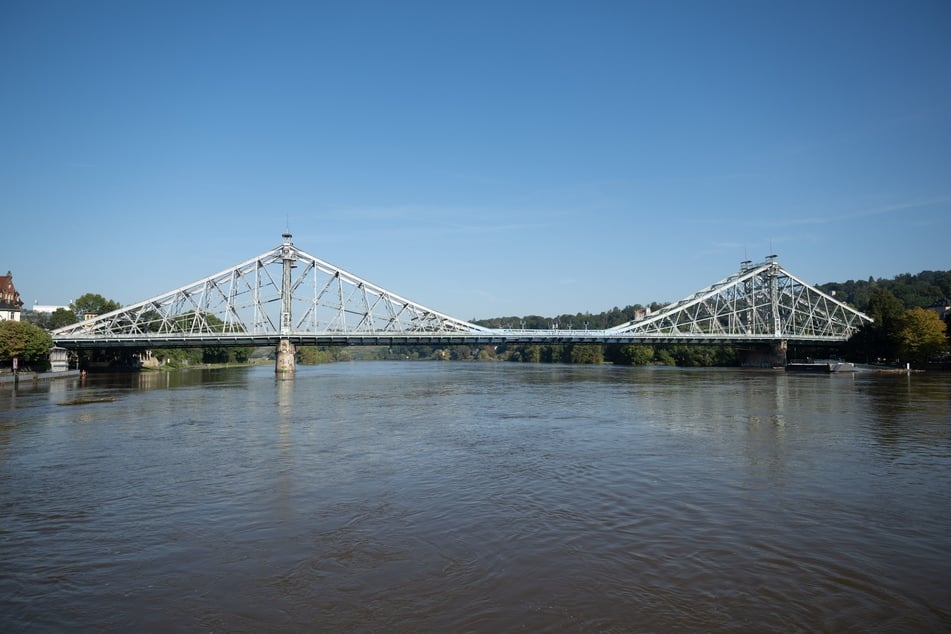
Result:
[{"x": 907, "y": 327}]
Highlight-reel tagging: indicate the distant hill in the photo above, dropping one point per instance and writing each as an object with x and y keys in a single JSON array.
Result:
[{"x": 914, "y": 291}]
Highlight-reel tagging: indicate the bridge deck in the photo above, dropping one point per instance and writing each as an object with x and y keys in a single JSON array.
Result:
[{"x": 495, "y": 337}]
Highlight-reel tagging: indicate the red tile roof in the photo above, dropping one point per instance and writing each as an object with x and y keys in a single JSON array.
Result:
[{"x": 9, "y": 297}]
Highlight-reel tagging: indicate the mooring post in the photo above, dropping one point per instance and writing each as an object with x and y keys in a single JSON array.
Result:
[{"x": 284, "y": 364}]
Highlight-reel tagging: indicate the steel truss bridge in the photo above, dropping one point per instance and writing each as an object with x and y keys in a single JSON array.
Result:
[{"x": 287, "y": 294}]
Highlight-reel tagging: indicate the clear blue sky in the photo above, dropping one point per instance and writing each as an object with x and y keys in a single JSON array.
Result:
[{"x": 481, "y": 158}]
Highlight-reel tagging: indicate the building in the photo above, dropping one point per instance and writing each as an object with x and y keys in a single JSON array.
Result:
[
  {"x": 47, "y": 309},
  {"x": 942, "y": 307},
  {"x": 59, "y": 359},
  {"x": 10, "y": 303}
]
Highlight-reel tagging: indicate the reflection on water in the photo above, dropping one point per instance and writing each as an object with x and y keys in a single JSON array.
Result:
[
  {"x": 910, "y": 413},
  {"x": 477, "y": 497}
]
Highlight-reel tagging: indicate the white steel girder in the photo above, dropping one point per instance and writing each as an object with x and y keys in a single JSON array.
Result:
[
  {"x": 286, "y": 292},
  {"x": 248, "y": 299},
  {"x": 761, "y": 301}
]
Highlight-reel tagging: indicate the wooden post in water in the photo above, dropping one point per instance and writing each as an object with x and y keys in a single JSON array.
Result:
[{"x": 284, "y": 365}]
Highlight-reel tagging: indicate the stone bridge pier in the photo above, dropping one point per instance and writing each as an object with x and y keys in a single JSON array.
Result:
[
  {"x": 284, "y": 363},
  {"x": 765, "y": 355}
]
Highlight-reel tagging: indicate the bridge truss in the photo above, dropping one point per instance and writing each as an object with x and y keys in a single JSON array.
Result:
[
  {"x": 286, "y": 293},
  {"x": 764, "y": 301},
  {"x": 247, "y": 304}
]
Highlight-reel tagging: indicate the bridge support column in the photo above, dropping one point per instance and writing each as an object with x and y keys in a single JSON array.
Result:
[
  {"x": 767, "y": 355},
  {"x": 284, "y": 364}
]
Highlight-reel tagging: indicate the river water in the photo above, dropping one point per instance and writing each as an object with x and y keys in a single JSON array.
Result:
[{"x": 481, "y": 497}]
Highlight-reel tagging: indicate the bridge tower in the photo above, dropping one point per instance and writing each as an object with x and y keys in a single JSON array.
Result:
[
  {"x": 772, "y": 353},
  {"x": 284, "y": 364}
]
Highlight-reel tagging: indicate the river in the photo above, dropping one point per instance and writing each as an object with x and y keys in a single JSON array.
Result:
[{"x": 479, "y": 497}]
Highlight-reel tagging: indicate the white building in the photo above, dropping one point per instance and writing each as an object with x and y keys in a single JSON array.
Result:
[
  {"x": 47, "y": 308},
  {"x": 59, "y": 359}
]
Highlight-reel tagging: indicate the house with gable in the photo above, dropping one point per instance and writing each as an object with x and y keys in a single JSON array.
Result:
[{"x": 10, "y": 303}]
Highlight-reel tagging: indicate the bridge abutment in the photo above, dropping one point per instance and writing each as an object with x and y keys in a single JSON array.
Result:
[
  {"x": 766, "y": 355},
  {"x": 284, "y": 363}
]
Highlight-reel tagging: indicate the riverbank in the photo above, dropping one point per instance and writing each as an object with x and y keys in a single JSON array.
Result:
[{"x": 22, "y": 377}]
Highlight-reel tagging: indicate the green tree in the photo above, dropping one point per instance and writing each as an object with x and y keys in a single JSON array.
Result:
[
  {"x": 178, "y": 357},
  {"x": 40, "y": 319},
  {"x": 693, "y": 356},
  {"x": 636, "y": 354},
  {"x": 586, "y": 354},
  {"x": 460, "y": 353},
  {"x": 28, "y": 342},
  {"x": 215, "y": 354},
  {"x": 920, "y": 335},
  {"x": 881, "y": 337},
  {"x": 486, "y": 353},
  {"x": 531, "y": 354},
  {"x": 94, "y": 304},
  {"x": 62, "y": 317},
  {"x": 915, "y": 290},
  {"x": 556, "y": 353},
  {"x": 50, "y": 321},
  {"x": 312, "y": 355}
]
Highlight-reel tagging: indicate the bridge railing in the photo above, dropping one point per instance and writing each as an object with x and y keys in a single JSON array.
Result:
[{"x": 487, "y": 337}]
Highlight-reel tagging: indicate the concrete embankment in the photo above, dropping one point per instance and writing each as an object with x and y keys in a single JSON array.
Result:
[{"x": 29, "y": 377}]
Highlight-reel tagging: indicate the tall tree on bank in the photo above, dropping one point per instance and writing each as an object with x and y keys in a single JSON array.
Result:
[
  {"x": 62, "y": 317},
  {"x": 25, "y": 341},
  {"x": 50, "y": 321},
  {"x": 93, "y": 304},
  {"x": 880, "y": 338},
  {"x": 921, "y": 336}
]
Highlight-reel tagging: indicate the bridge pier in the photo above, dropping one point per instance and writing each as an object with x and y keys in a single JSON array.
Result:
[
  {"x": 284, "y": 363},
  {"x": 767, "y": 355}
]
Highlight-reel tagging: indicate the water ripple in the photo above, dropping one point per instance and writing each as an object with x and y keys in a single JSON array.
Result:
[{"x": 479, "y": 497}]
